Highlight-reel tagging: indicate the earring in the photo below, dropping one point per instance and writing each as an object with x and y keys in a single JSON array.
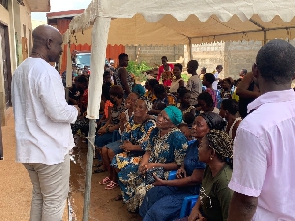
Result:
[{"x": 211, "y": 158}]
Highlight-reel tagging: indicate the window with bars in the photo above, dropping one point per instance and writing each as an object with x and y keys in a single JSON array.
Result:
[{"x": 4, "y": 3}]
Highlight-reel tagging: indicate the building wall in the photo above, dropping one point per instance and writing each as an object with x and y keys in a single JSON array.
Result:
[
  {"x": 24, "y": 30},
  {"x": 234, "y": 56},
  {"x": 18, "y": 20},
  {"x": 209, "y": 55},
  {"x": 152, "y": 54},
  {"x": 4, "y": 19}
]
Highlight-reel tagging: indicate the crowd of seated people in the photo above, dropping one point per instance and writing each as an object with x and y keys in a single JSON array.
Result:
[{"x": 142, "y": 137}]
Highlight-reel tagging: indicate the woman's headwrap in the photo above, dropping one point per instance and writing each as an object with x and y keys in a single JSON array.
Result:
[
  {"x": 222, "y": 143},
  {"x": 213, "y": 120},
  {"x": 174, "y": 114}
]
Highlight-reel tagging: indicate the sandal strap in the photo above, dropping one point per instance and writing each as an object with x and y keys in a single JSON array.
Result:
[
  {"x": 111, "y": 185},
  {"x": 106, "y": 180}
]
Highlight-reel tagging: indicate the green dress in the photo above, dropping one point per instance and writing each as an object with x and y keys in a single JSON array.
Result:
[{"x": 215, "y": 195}]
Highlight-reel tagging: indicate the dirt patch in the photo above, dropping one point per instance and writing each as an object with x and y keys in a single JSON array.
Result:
[{"x": 103, "y": 207}]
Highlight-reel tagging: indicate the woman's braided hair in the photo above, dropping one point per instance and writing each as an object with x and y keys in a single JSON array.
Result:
[{"x": 222, "y": 143}]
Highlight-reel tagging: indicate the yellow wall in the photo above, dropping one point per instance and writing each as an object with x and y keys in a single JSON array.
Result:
[
  {"x": 14, "y": 18},
  {"x": 4, "y": 15}
]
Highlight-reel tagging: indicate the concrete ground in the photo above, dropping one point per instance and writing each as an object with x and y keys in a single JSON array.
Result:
[{"x": 15, "y": 185}]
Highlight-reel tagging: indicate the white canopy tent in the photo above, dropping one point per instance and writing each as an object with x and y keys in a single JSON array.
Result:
[
  {"x": 170, "y": 31},
  {"x": 176, "y": 22},
  {"x": 172, "y": 22}
]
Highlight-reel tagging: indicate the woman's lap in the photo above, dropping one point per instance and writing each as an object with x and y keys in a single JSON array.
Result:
[
  {"x": 102, "y": 140},
  {"x": 156, "y": 193},
  {"x": 115, "y": 147},
  {"x": 167, "y": 208}
]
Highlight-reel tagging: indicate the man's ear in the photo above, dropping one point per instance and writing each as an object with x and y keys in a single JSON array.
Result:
[
  {"x": 49, "y": 43},
  {"x": 255, "y": 70}
]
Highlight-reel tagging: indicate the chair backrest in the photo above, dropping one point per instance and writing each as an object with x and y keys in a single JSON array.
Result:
[
  {"x": 187, "y": 205},
  {"x": 172, "y": 175}
]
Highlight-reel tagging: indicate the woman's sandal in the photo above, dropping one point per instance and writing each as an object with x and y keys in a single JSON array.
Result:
[
  {"x": 106, "y": 180},
  {"x": 97, "y": 165},
  {"x": 99, "y": 170},
  {"x": 118, "y": 198},
  {"x": 111, "y": 185}
]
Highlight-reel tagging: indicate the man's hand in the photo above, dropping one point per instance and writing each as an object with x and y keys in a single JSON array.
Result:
[{"x": 78, "y": 109}]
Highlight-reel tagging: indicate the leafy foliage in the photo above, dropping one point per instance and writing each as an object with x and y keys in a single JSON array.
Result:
[{"x": 137, "y": 68}]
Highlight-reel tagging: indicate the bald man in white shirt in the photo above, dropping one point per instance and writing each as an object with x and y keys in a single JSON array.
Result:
[{"x": 42, "y": 125}]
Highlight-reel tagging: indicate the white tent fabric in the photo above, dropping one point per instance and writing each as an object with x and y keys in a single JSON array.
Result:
[
  {"x": 180, "y": 22},
  {"x": 170, "y": 31}
]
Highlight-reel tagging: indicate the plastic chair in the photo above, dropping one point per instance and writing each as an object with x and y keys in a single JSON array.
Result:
[
  {"x": 187, "y": 205},
  {"x": 172, "y": 175}
]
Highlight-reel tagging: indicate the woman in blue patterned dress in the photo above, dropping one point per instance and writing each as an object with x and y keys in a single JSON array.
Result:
[
  {"x": 166, "y": 148},
  {"x": 136, "y": 136},
  {"x": 163, "y": 202}
]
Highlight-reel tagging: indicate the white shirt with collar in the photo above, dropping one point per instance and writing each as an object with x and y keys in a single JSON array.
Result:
[{"x": 42, "y": 115}]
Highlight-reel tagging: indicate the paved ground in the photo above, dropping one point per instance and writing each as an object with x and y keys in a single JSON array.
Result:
[
  {"x": 15, "y": 184},
  {"x": 16, "y": 188}
]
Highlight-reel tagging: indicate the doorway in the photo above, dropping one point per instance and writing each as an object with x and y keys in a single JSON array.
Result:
[{"x": 6, "y": 64}]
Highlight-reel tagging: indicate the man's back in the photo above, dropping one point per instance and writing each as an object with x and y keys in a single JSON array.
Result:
[
  {"x": 42, "y": 116},
  {"x": 264, "y": 154},
  {"x": 194, "y": 84}
]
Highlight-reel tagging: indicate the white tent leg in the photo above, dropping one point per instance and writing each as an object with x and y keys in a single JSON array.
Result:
[
  {"x": 98, "y": 53},
  {"x": 69, "y": 70}
]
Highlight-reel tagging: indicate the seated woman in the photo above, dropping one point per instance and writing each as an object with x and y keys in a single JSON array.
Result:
[
  {"x": 206, "y": 103},
  {"x": 149, "y": 96},
  {"x": 165, "y": 152},
  {"x": 226, "y": 90},
  {"x": 163, "y": 202},
  {"x": 105, "y": 104},
  {"x": 228, "y": 110},
  {"x": 105, "y": 133},
  {"x": 163, "y": 100},
  {"x": 111, "y": 149},
  {"x": 216, "y": 150},
  {"x": 82, "y": 123},
  {"x": 133, "y": 143},
  {"x": 184, "y": 105}
]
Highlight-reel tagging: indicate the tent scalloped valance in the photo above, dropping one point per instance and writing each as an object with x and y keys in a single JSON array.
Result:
[{"x": 154, "y": 10}]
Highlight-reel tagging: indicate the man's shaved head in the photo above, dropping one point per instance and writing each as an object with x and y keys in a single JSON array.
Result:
[
  {"x": 275, "y": 61},
  {"x": 47, "y": 42}
]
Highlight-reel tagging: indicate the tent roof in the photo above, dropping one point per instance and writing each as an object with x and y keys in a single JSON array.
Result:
[{"x": 197, "y": 21}]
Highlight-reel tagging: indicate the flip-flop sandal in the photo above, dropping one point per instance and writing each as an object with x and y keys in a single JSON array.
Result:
[
  {"x": 99, "y": 170},
  {"x": 111, "y": 185},
  {"x": 106, "y": 180},
  {"x": 97, "y": 165}
]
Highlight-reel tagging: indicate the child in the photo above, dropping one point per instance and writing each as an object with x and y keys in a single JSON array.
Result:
[
  {"x": 208, "y": 80},
  {"x": 167, "y": 75},
  {"x": 185, "y": 130},
  {"x": 226, "y": 88}
]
